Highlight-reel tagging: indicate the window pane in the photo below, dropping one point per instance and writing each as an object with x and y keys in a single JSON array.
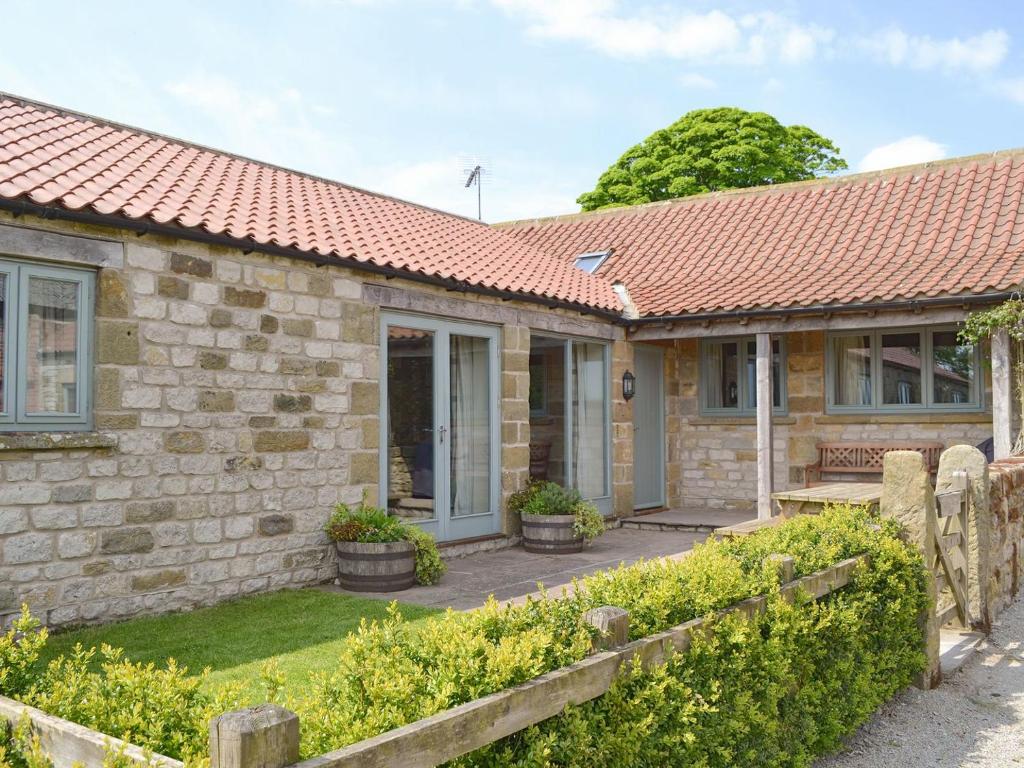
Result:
[
  {"x": 901, "y": 369},
  {"x": 52, "y": 346},
  {"x": 722, "y": 361},
  {"x": 852, "y": 361},
  {"x": 751, "y": 394},
  {"x": 411, "y": 427},
  {"x": 547, "y": 409},
  {"x": 470, "y": 442},
  {"x": 955, "y": 378},
  {"x": 589, "y": 419}
]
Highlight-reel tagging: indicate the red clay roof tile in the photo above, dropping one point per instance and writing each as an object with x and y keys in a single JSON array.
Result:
[
  {"x": 51, "y": 156},
  {"x": 949, "y": 228}
]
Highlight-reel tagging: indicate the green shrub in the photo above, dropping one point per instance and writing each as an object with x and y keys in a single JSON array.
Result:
[
  {"x": 545, "y": 498},
  {"x": 776, "y": 690},
  {"x": 373, "y": 525},
  {"x": 19, "y": 654}
]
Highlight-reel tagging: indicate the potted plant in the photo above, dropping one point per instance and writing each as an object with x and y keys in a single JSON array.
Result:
[
  {"x": 556, "y": 520},
  {"x": 380, "y": 553}
]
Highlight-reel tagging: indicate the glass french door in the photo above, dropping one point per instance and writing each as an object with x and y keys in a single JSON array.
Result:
[{"x": 439, "y": 425}]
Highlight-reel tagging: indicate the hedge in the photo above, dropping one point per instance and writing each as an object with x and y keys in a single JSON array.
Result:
[{"x": 777, "y": 690}]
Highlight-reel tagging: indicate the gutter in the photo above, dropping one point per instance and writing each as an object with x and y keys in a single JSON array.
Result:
[
  {"x": 141, "y": 228},
  {"x": 825, "y": 309}
]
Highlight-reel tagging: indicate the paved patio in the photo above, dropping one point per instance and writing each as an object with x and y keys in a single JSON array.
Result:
[{"x": 513, "y": 573}]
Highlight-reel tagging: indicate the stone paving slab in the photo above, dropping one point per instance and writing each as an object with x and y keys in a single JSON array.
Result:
[
  {"x": 687, "y": 520},
  {"x": 512, "y": 574}
]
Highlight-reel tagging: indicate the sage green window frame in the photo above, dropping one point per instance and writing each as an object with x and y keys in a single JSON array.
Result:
[
  {"x": 14, "y": 416},
  {"x": 927, "y": 404},
  {"x": 742, "y": 409}
]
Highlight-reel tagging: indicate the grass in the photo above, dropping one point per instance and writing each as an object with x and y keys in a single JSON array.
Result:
[{"x": 302, "y": 629}]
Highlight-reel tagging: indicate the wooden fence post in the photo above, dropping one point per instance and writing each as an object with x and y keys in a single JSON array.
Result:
[
  {"x": 612, "y": 624},
  {"x": 266, "y": 736},
  {"x": 968, "y": 459},
  {"x": 908, "y": 497},
  {"x": 786, "y": 565}
]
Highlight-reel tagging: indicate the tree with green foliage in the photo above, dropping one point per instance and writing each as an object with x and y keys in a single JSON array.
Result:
[{"x": 708, "y": 150}]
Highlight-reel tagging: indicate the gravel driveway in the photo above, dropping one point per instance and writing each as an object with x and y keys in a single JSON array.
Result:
[{"x": 976, "y": 718}]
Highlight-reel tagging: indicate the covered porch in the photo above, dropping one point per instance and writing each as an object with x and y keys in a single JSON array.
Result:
[{"x": 751, "y": 399}]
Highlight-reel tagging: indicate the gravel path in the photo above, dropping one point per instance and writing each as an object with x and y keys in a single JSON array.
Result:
[{"x": 976, "y": 718}]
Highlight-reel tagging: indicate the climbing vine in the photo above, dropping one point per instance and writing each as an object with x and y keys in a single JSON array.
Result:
[{"x": 1008, "y": 316}]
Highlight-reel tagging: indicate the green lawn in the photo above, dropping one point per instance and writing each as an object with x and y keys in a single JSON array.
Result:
[{"x": 301, "y": 628}]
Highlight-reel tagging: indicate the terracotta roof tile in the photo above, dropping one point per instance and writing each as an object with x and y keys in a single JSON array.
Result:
[
  {"x": 949, "y": 228},
  {"x": 50, "y": 156}
]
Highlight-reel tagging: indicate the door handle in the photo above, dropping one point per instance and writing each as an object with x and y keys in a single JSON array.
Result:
[{"x": 441, "y": 431}]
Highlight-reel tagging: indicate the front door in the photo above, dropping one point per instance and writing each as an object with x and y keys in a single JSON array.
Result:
[
  {"x": 649, "y": 428},
  {"x": 439, "y": 425}
]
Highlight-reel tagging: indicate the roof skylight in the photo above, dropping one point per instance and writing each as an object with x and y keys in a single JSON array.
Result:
[{"x": 590, "y": 262}]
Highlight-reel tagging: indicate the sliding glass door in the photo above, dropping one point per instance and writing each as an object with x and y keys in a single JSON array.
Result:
[
  {"x": 569, "y": 416},
  {"x": 439, "y": 425}
]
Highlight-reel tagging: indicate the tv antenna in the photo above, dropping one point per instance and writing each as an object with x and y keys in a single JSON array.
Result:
[
  {"x": 476, "y": 169},
  {"x": 476, "y": 177}
]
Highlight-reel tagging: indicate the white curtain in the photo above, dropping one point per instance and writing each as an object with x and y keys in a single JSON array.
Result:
[
  {"x": 853, "y": 370},
  {"x": 588, "y": 420},
  {"x": 471, "y": 429}
]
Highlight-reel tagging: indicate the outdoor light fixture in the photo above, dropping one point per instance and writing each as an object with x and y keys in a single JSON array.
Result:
[{"x": 628, "y": 385}]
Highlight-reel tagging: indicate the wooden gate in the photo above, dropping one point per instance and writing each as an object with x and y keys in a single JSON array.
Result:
[{"x": 950, "y": 561}]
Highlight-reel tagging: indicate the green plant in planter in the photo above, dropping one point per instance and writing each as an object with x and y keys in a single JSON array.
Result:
[
  {"x": 372, "y": 525},
  {"x": 546, "y": 498}
]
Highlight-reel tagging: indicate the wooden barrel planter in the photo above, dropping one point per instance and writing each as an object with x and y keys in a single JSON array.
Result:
[
  {"x": 376, "y": 567},
  {"x": 550, "y": 534}
]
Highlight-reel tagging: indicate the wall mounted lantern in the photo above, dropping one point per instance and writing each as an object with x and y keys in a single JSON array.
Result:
[{"x": 628, "y": 385}]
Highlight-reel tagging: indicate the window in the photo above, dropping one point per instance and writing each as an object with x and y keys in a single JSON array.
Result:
[
  {"x": 590, "y": 262},
  {"x": 902, "y": 370},
  {"x": 45, "y": 355},
  {"x": 729, "y": 377},
  {"x": 569, "y": 415}
]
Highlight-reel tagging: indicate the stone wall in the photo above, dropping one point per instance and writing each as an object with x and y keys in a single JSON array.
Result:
[
  {"x": 236, "y": 402},
  {"x": 1006, "y": 500},
  {"x": 713, "y": 462}
]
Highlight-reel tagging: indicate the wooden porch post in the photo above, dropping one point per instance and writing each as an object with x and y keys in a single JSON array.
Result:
[
  {"x": 764, "y": 426},
  {"x": 1001, "y": 397}
]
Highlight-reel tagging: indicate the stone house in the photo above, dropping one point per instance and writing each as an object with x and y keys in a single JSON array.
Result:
[{"x": 203, "y": 354}]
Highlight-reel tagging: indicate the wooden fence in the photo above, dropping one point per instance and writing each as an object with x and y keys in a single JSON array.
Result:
[{"x": 268, "y": 736}]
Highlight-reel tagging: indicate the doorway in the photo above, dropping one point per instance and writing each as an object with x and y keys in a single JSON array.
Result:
[
  {"x": 649, "y": 428},
  {"x": 440, "y": 432}
]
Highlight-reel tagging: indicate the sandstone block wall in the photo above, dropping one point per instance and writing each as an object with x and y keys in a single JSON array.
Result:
[
  {"x": 1006, "y": 502},
  {"x": 236, "y": 402},
  {"x": 713, "y": 462}
]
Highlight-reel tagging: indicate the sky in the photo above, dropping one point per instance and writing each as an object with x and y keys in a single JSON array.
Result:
[{"x": 404, "y": 96}]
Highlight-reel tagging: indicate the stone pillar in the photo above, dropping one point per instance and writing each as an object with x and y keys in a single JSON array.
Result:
[
  {"x": 622, "y": 433},
  {"x": 969, "y": 459},
  {"x": 515, "y": 418},
  {"x": 907, "y": 497},
  {"x": 266, "y": 736},
  {"x": 1001, "y": 394},
  {"x": 765, "y": 469}
]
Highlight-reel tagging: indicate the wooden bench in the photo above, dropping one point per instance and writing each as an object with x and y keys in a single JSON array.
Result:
[{"x": 864, "y": 458}]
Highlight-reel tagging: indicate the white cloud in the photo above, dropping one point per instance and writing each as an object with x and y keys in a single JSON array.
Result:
[
  {"x": 661, "y": 31},
  {"x": 979, "y": 53},
  {"x": 905, "y": 151},
  {"x": 276, "y": 125},
  {"x": 694, "y": 80}
]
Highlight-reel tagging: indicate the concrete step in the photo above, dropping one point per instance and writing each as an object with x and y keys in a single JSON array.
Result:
[{"x": 684, "y": 521}]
